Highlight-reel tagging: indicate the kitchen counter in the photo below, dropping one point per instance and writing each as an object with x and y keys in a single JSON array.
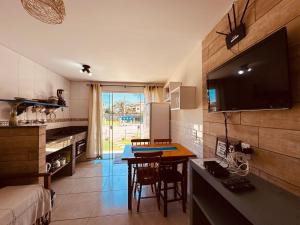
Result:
[
  {"x": 65, "y": 141},
  {"x": 64, "y": 133}
]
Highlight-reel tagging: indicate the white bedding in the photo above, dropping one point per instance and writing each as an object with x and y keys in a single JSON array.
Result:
[{"x": 23, "y": 205}]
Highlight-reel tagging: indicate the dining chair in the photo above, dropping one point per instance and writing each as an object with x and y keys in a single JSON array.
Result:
[
  {"x": 147, "y": 167},
  {"x": 141, "y": 141},
  {"x": 163, "y": 141},
  {"x": 136, "y": 142},
  {"x": 169, "y": 174}
]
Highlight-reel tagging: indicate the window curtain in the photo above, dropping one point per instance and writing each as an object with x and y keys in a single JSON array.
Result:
[
  {"x": 152, "y": 94},
  {"x": 94, "y": 145}
]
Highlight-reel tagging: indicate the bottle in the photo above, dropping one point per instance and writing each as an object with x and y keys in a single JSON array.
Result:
[{"x": 13, "y": 120}]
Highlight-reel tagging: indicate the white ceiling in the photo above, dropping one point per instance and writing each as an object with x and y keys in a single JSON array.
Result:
[{"x": 122, "y": 40}]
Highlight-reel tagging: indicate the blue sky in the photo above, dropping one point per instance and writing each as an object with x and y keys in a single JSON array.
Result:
[
  {"x": 127, "y": 97},
  {"x": 212, "y": 95}
]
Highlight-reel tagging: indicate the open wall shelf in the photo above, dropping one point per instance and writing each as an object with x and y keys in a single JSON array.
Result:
[{"x": 21, "y": 105}]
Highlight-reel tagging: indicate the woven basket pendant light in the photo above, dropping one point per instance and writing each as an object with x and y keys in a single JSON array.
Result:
[{"x": 47, "y": 11}]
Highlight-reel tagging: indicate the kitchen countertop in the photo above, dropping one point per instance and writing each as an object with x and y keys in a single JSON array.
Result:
[{"x": 64, "y": 132}]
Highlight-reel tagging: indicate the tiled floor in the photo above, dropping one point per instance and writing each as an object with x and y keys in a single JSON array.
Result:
[{"x": 97, "y": 194}]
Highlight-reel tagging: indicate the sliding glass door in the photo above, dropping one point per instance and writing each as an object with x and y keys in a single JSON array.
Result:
[{"x": 122, "y": 120}]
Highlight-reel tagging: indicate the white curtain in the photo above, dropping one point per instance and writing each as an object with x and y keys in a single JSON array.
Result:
[
  {"x": 94, "y": 145},
  {"x": 152, "y": 94}
]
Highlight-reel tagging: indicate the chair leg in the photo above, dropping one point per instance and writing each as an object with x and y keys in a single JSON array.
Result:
[
  {"x": 158, "y": 194},
  {"x": 152, "y": 188},
  {"x": 183, "y": 194},
  {"x": 133, "y": 182},
  {"x": 165, "y": 199},
  {"x": 175, "y": 190},
  {"x": 139, "y": 199},
  {"x": 135, "y": 187}
]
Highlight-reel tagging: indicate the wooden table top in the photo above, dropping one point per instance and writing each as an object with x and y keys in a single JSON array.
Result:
[{"x": 180, "y": 152}]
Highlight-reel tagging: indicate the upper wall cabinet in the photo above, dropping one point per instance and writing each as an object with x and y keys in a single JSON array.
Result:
[
  {"x": 183, "y": 97},
  {"x": 168, "y": 88}
]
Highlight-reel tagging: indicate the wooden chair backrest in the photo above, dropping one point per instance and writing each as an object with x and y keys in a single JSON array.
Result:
[
  {"x": 148, "y": 159},
  {"x": 144, "y": 141},
  {"x": 174, "y": 165},
  {"x": 163, "y": 141}
]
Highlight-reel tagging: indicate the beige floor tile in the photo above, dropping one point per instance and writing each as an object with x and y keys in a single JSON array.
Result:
[
  {"x": 110, "y": 203},
  {"x": 74, "y": 206},
  {"x": 116, "y": 183},
  {"x": 152, "y": 218},
  {"x": 70, "y": 222},
  {"x": 124, "y": 219},
  {"x": 97, "y": 194},
  {"x": 62, "y": 185},
  {"x": 90, "y": 184}
]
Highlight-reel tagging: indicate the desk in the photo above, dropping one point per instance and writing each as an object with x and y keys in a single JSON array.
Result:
[{"x": 180, "y": 153}]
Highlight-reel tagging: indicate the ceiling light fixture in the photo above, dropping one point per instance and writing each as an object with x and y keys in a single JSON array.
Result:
[
  {"x": 243, "y": 69},
  {"x": 86, "y": 69},
  {"x": 240, "y": 72},
  {"x": 47, "y": 11}
]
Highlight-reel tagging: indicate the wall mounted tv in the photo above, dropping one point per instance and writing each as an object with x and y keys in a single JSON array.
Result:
[{"x": 256, "y": 79}]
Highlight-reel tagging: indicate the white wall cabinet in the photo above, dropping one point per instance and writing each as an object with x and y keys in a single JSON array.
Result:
[
  {"x": 168, "y": 88},
  {"x": 183, "y": 97}
]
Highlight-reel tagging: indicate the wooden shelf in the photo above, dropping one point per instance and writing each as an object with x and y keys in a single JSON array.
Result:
[
  {"x": 214, "y": 204},
  {"x": 168, "y": 88},
  {"x": 22, "y": 104},
  {"x": 81, "y": 154},
  {"x": 60, "y": 168}
]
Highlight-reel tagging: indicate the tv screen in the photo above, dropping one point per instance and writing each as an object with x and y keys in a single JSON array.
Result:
[{"x": 257, "y": 79}]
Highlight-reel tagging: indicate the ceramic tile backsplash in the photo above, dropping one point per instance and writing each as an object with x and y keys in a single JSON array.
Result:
[
  {"x": 189, "y": 135},
  {"x": 21, "y": 77}
]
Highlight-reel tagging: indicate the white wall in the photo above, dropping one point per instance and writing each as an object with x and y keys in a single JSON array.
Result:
[
  {"x": 79, "y": 103},
  {"x": 183, "y": 122},
  {"x": 21, "y": 77}
]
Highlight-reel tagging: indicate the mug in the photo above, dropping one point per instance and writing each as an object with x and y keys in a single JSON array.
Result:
[
  {"x": 62, "y": 161},
  {"x": 56, "y": 164},
  {"x": 48, "y": 167}
]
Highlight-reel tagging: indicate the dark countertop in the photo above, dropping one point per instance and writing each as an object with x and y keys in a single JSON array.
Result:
[{"x": 64, "y": 132}]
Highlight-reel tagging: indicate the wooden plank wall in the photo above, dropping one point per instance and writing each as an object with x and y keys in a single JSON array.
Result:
[
  {"x": 275, "y": 135},
  {"x": 22, "y": 150}
]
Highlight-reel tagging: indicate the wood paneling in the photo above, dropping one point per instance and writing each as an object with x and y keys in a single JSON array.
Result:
[
  {"x": 278, "y": 16},
  {"x": 277, "y": 165},
  {"x": 235, "y": 118},
  {"x": 248, "y": 134},
  {"x": 286, "y": 142},
  {"x": 275, "y": 134},
  {"x": 284, "y": 119},
  {"x": 263, "y": 6},
  {"x": 22, "y": 150}
]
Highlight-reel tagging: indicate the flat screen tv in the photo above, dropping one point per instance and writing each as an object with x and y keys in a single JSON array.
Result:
[{"x": 256, "y": 79}]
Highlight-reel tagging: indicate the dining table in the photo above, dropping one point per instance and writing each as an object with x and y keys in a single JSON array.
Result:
[{"x": 170, "y": 151}]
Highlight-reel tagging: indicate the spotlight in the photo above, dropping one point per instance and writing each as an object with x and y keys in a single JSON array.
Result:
[
  {"x": 249, "y": 69},
  {"x": 86, "y": 69},
  {"x": 240, "y": 72}
]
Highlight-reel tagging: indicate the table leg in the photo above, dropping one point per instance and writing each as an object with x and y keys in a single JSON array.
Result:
[
  {"x": 129, "y": 186},
  {"x": 185, "y": 185}
]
